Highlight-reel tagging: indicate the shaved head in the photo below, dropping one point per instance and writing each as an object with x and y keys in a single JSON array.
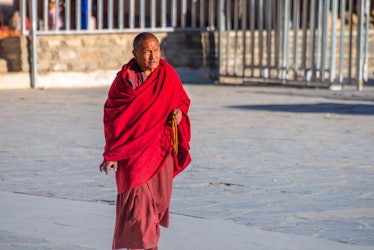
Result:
[{"x": 141, "y": 37}]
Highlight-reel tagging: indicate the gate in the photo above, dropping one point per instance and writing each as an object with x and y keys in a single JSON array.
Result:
[{"x": 302, "y": 42}]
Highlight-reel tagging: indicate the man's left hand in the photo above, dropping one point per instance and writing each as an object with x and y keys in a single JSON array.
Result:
[{"x": 178, "y": 115}]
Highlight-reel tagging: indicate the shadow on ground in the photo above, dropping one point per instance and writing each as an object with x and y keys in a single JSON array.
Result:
[{"x": 336, "y": 108}]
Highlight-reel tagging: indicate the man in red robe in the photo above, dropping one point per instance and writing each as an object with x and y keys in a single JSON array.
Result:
[{"x": 147, "y": 134}]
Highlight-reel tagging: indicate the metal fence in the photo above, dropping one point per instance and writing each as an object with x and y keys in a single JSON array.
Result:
[
  {"x": 321, "y": 42},
  {"x": 287, "y": 41},
  {"x": 100, "y": 16},
  {"x": 64, "y": 17}
]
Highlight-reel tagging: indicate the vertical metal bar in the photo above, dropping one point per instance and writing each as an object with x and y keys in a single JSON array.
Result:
[
  {"x": 211, "y": 14},
  {"x": 278, "y": 35},
  {"x": 244, "y": 32},
  {"x": 174, "y": 14},
  {"x": 46, "y": 15},
  {"x": 68, "y": 14},
  {"x": 325, "y": 19},
  {"x": 202, "y": 14},
  {"x": 23, "y": 16},
  {"x": 312, "y": 49},
  {"x": 333, "y": 40},
  {"x": 142, "y": 14},
  {"x": 34, "y": 62},
  {"x": 110, "y": 14},
  {"x": 153, "y": 13},
  {"x": 366, "y": 54},
  {"x": 296, "y": 23},
  {"x": 131, "y": 13},
  {"x": 350, "y": 8},
  {"x": 260, "y": 22},
  {"x": 359, "y": 64},
  {"x": 90, "y": 19},
  {"x": 286, "y": 38},
  {"x": 268, "y": 36},
  {"x": 193, "y": 13},
  {"x": 341, "y": 54},
  {"x": 228, "y": 31},
  {"x": 319, "y": 37},
  {"x": 99, "y": 14},
  {"x": 57, "y": 14},
  {"x": 215, "y": 16},
  {"x": 236, "y": 44},
  {"x": 305, "y": 31},
  {"x": 252, "y": 36},
  {"x": 121, "y": 14},
  {"x": 183, "y": 13},
  {"x": 220, "y": 34},
  {"x": 163, "y": 13},
  {"x": 78, "y": 14}
]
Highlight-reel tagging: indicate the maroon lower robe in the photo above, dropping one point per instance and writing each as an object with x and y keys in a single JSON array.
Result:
[
  {"x": 138, "y": 136},
  {"x": 142, "y": 209}
]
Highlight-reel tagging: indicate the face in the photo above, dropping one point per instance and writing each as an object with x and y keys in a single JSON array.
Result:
[{"x": 147, "y": 55}]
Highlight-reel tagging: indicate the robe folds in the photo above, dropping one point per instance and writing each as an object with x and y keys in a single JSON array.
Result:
[{"x": 137, "y": 125}]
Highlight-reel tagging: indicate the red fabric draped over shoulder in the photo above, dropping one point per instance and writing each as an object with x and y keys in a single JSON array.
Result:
[{"x": 136, "y": 125}]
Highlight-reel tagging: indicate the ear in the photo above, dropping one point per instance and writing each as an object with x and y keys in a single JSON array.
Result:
[{"x": 134, "y": 53}]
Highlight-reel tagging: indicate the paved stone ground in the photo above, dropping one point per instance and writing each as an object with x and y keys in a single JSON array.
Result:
[{"x": 290, "y": 160}]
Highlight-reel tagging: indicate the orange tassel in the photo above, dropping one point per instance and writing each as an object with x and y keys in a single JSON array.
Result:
[{"x": 174, "y": 136}]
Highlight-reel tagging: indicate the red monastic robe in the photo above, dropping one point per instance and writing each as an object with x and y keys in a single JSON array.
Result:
[
  {"x": 138, "y": 136},
  {"x": 137, "y": 128}
]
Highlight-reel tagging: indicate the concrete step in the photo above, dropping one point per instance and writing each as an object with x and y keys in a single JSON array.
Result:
[
  {"x": 3, "y": 66},
  {"x": 14, "y": 80}
]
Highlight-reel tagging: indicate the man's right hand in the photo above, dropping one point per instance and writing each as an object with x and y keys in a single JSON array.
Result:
[{"x": 106, "y": 166}]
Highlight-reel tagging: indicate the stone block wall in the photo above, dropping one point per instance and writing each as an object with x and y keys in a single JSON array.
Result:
[
  {"x": 90, "y": 52},
  {"x": 87, "y": 53},
  {"x": 82, "y": 53}
]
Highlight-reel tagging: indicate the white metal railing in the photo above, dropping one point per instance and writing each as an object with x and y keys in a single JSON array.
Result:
[
  {"x": 283, "y": 40},
  {"x": 100, "y": 16},
  {"x": 64, "y": 17},
  {"x": 314, "y": 41}
]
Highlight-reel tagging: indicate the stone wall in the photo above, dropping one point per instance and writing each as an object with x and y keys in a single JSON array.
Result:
[{"x": 86, "y": 53}]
